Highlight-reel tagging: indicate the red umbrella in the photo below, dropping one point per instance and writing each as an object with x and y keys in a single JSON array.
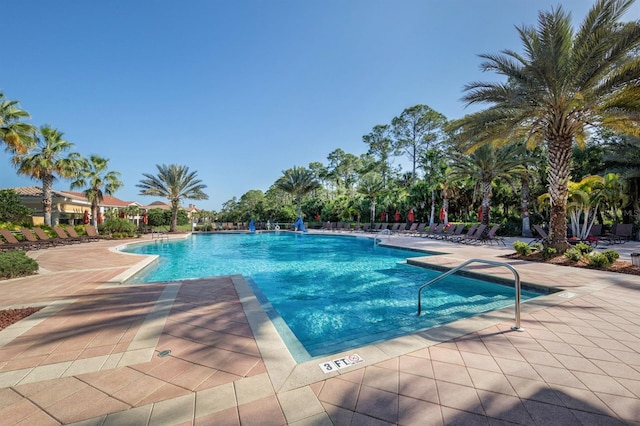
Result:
[
  {"x": 443, "y": 213},
  {"x": 85, "y": 217},
  {"x": 145, "y": 219},
  {"x": 411, "y": 216},
  {"x": 317, "y": 217},
  {"x": 480, "y": 214},
  {"x": 99, "y": 218},
  {"x": 397, "y": 216},
  {"x": 382, "y": 217}
]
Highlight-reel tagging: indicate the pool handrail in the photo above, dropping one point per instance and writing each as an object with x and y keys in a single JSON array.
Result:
[{"x": 488, "y": 262}]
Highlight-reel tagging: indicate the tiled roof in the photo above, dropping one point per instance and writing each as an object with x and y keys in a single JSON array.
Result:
[{"x": 36, "y": 191}]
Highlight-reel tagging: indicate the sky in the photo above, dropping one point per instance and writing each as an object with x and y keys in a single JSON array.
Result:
[{"x": 239, "y": 91}]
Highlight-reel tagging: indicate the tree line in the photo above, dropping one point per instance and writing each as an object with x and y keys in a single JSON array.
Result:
[{"x": 555, "y": 140}]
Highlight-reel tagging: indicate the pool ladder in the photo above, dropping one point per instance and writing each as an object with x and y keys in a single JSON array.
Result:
[
  {"x": 383, "y": 232},
  {"x": 487, "y": 262},
  {"x": 159, "y": 237}
]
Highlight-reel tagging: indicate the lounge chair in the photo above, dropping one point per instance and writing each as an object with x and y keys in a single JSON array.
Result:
[
  {"x": 620, "y": 233},
  {"x": 491, "y": 236},
  {"x": 420, "y": 230},
  {"x": 476, "y": 236},
  {"x": 42, "y": 236},
  {"x": 446, "y": 231},
  {"x": 411, "y": 229},
  {"x": 542, "y": 235},
  {"x": 395, "y": 227},
  {"x": 434, "y": 231},
  {"x": 73, "y": 234},
  {"x": 64, "y": 236},
  {"x": 469, "y": 233},
  {"x": 92, "y": 232},
  {"x": 15, "y": 244},
  {"x": 455, "y": 232}
]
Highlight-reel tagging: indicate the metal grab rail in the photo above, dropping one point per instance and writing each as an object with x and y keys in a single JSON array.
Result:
[
  {"x": 488, "y": 262},
  {"x": 381, "y": 232}
]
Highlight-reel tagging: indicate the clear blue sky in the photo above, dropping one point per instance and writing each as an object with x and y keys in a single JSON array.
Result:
[{"x": 241, "y": 90}]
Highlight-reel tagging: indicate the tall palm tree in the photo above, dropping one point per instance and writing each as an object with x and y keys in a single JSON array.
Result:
[
  {"x": 484, "y": 165},
  {"x": 95, "y": 176},
  {"x": 298, "y": 182},
  {"x": 175, "y": 183},
  {"x": 47, "y": 162},
  {"x": 16, "y": 134},
  {"x": 371, "y": 185},
  {"x": 564, "y": 82}
]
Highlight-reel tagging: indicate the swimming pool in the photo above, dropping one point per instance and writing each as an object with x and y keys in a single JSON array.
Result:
[{"x": 327, "y": 293}]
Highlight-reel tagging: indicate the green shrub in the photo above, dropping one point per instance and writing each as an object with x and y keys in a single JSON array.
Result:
[
  {"x": 612, "y": 255},
  {"x": 583, "y": 248},
  {"x": 116, "y": 225},
  {"x": 522, "y": 248},
  {"x": 574, "y": 254},
  {"x": 549, "y": 252},
  {"x": 536, "y": 246},
  {"x": 15, "y": 264},
  {"x": 599, "y": 260}
]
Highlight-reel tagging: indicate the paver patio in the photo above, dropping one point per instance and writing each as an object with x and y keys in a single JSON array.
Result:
[{"x": 203, "y": 352}]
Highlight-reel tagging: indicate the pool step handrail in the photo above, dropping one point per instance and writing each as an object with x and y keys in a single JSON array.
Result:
[
  {"x": 159, "y": 236},
  {"x": 381, "y": 232},
  {"x": 487, "y": 262}
]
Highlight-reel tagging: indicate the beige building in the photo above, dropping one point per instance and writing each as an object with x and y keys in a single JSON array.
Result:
[{"x": 69, "y": 206}]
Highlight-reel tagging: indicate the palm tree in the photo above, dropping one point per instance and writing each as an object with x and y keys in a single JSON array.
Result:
[
  {"x": 371, "y": 185},
  {"x": 16, "y": 135},
  {"x": 564, "y": 82},
  {"x": 298, "y": 182},
  {"x": 484, "y": 165},
  {"x": 47, "y": 162},
  {"x": 175, "y": 183},
  {"x": 98, "y": 181}
]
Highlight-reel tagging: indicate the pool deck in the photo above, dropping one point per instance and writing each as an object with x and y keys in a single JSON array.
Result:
[{"x": 199, "y": 352}]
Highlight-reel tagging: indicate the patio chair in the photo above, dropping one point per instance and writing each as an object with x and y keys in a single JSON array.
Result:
[
  {"x": 468, "y": 234},
  {"x": 476, "y": 236},
  {"x": 42, "y": 236},
  {"x": 73, "y": 234},
  {"x": 542, "y": 235},
  {"x": 93, "y": 232},
  {"x": 15, "y": 244},
  {"x": 410, "y": 230},
  {"x": 455, "y": 233},
  {"x": 395, "y": 227},
  {"x": 63, "y": 235},
  {"x": 446, "y": 231},
  {"x": 491, "y": 236},
  {"x": 434, "y": 231}
]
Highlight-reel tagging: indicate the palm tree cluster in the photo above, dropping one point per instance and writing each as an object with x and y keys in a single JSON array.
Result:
[
  {"x": 563, "y": 85},
  {"x": 42, "y": 154}
]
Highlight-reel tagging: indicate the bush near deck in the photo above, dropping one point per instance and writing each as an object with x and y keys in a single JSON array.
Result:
[{"x": 14, "y": 264}]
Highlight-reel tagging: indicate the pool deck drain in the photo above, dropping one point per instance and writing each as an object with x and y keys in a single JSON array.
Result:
[{"x": 578, "y": 361}]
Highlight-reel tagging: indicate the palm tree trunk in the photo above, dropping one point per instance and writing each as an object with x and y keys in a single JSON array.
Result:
[
  {"x": 47, "y": 183},
  {"x": 486, "y": 201},
  {"x": 174, "y": 216},
  {"x": 433, "y": 207},
  {"x": 94, "y": 214},
  {"x": 524, "y": 207},
  {"x": 559, "y": 160}
]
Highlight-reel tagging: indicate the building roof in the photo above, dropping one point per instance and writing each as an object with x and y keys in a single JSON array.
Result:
[{"x": 108, "y": 201}]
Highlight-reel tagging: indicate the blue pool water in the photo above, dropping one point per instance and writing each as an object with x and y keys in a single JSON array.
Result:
[{"x": 332, "y": 293}]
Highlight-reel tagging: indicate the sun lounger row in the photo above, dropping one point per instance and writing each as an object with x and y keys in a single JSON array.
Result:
[
  {"x": 36, "y": 238},
  {"x": 448, "y": 232},
  {"x": 619, "y": 234}
]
